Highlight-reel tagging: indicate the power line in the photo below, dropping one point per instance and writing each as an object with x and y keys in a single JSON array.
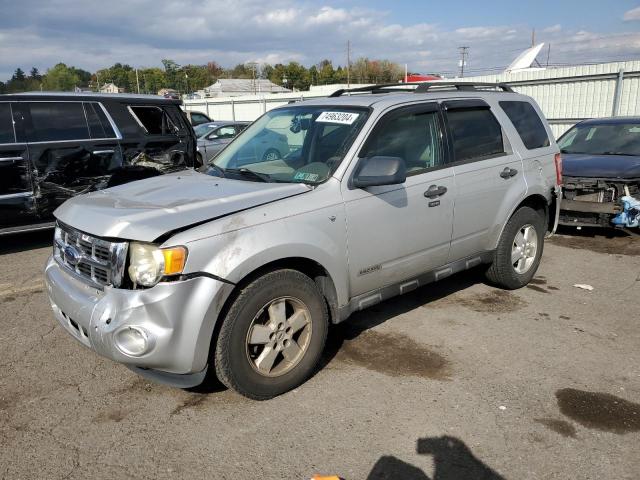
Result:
[{"x": 463, "y": 59}]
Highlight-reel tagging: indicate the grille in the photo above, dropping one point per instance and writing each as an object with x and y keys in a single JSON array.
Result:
[{"x": 98, "y": 262}]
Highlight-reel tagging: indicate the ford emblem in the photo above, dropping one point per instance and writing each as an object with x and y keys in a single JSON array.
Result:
[{"x": 71, "y": 255}]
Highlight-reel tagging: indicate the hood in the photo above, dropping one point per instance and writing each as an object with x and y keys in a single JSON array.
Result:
[
  {"x": 600, "y": 166},
  {"x": 146, "y": 209}
]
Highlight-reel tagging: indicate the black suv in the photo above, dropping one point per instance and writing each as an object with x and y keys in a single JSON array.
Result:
[{"x": 54, "y": 146}]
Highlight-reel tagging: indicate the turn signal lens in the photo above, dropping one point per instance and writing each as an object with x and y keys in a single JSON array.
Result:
[{"x": 174, "y": 260}]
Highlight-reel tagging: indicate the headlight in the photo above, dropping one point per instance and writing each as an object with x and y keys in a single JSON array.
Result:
[{"x": 148, "y": 263}]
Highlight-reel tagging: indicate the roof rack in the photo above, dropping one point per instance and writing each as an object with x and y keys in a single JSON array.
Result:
[{"x": 423, "y": 87}]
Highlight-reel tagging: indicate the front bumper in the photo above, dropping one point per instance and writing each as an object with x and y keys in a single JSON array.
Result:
[{"x": 177, "y": 319}]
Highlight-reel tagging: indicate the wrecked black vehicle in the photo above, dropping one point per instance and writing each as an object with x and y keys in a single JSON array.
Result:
[
  {"x": 601, "y": 173},
  {"x": 55, "y": 146}
]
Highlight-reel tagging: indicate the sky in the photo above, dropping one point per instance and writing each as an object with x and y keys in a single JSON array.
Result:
[{"x": 424, "y": 34}]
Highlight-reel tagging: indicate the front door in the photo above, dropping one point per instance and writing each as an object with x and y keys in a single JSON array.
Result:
[
  {"x": 397, "y": 232},
  {"x": 16, "y": 193}
]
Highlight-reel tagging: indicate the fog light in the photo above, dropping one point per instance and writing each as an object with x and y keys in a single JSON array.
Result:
[{"x": 132, "y": 341}]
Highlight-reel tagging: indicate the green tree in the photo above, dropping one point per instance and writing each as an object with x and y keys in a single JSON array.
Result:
[
  {"x": 35, "y": 74},
  {"x": 60, "y": 78}
]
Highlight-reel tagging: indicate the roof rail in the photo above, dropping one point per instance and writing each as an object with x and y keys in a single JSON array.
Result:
[{"x": 423, "y": 87}]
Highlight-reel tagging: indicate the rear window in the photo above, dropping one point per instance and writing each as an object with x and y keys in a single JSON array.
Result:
[
  {"x": 527, "y": 123},
  {"x": 154, "y": 120},
  {"x": 476, "y": 134},
  {"x": 99, "y": 125},
  {"x": 6, "y": 124},
  {"x": 58, "y": 121}
]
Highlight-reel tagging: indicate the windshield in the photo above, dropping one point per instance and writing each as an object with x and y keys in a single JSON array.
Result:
[
  {"x": 204, "y": 128},
  {"x": 293, "y": 144},
  {"x": 603, "y": 139}
]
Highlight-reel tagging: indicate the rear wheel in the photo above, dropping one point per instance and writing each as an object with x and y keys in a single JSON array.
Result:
[
  {"x": 519, "y": 250},
  {"x": 273, "y": 335}
]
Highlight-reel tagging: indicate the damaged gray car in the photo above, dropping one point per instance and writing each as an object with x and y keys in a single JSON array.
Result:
[
  {"x": 56, "y": 146},
  {"x": 236, "y": 273}
]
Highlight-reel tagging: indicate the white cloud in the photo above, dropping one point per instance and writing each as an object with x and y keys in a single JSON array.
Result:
[
  {"x": 633, "y": 14},
  {"x": 141, "y": 32}
]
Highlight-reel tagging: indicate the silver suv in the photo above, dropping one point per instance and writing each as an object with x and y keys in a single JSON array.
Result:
[{"x": 236, "y": 272}]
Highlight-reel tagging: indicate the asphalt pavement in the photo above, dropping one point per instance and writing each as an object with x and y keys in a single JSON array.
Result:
[{"x": 457, "y": 380}]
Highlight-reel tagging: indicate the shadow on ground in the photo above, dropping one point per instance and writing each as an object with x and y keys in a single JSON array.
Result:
[
  {"x": 21, "y": 242},
  {"x": 452, "y": 460},
  {"x": 364, "y": 320}
]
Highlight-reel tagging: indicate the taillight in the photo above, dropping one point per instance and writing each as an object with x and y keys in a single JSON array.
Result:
[{"x": 558, "y": 161}]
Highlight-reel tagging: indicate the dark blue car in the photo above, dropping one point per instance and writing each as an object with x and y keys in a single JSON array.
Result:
[{"x": 601, "y": 171}]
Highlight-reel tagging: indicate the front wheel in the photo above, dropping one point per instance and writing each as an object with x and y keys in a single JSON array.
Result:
[
  {"x": 273, "y": 335},
  {"x": 519, "y": 250}
]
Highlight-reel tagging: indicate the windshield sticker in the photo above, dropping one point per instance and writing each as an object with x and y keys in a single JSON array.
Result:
[
  {"x": 344, "y": 118},
  {"x": 306, "y": 177}
]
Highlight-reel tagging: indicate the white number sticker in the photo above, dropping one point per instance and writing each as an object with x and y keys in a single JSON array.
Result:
[{"x": 345, "y": 118}]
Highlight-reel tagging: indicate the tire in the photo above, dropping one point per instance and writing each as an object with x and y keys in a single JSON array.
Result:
[
  {"x": 249, "y": 337},
  {"x": 271, "y": 154},
  {"x": 199, "y": 162},
  {"x": 512, "y": 275}
]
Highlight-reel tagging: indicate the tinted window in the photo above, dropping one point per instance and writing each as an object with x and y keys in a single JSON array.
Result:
[
  {"x": 153, "y": 119},
  {"x": 99, "y": 125},
  {"x": 6, "y": 124},
  {"x": 475, "y": 133},
  {"x": 198, "y": 118},
  {"x": 412, "y": 136},
  {"x": 56, "y": 121},
  {"x": 527, "y": 123}
]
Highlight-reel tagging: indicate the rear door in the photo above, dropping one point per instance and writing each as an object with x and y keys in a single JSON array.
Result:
[
  {"x": 16, "y": 193},
  {"x": 73, "y": 149},
  {"x": 167, "y": 142},
  {"x": 488, "y": 175}
]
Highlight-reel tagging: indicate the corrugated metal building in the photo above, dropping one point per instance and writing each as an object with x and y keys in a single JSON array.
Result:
[
  {"x": 566, "y": 95},
  {"x": 570, "y": 94}
]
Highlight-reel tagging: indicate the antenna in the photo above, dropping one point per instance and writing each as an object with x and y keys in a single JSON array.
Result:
[
  {"x": 463, "y": 59},
  {"x": 348, "y": 63}
]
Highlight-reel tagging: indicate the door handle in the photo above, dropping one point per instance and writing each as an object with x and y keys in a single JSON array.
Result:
[
  {"x": 508, "y": 172},
  {"x": 435, "y": 191},
  {"x": 103, "y": 152},
  {"x": 11, "y": 159}
]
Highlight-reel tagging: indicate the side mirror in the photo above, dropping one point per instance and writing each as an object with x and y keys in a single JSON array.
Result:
[
  {"x": 379, "y": 170},
  {"x": 212, "y": 136}
]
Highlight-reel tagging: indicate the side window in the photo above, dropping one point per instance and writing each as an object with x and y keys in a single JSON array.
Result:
[
  {"x": 475, "y": 133},
  {"x": 154, "y": 120},
  {"x": 198, "y": 118},
  {"x": 58, "y": 121},
  {"x": 7, "y": 134},
  {"x": 412, "y": 135},
  {"x": 99, "y": 125},
  {"x": 226, "y": 132},
  {"x": 527, "y": 123}
]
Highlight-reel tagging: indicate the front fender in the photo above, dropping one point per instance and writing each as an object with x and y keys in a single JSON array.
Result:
[{"x": 318, "y": 235}]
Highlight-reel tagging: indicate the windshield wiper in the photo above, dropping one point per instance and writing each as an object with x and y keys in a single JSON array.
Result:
[
  {"x": 217, "y": 168},
  {"x": 262, "y": 177}
]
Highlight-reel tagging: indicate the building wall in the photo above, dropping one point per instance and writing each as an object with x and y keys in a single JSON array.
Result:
[{"x": 566, "y": 95}]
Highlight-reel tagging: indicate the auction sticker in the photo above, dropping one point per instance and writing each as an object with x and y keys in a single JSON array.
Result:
[{"x": 345, "y": 118}]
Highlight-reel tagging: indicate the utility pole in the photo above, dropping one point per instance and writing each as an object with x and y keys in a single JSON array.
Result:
[
  {"x": 548, "y": 54},
  {"x": 137, "y": 82},
  {"x": 464, "y": 53},
  {"x": 533, "y": 37},
  {"x": 348, "y": 63}
]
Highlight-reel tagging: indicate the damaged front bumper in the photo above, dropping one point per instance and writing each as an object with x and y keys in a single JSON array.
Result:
[
  {"x": 595, "y": 202},
  {"x": 163, "y": 333}
]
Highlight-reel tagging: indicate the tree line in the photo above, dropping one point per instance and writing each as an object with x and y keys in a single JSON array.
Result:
[{"x": 190, "y": 78}]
